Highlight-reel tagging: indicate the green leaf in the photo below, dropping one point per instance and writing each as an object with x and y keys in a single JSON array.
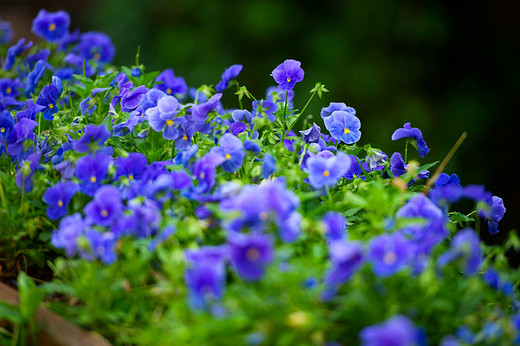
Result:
[
  {"x": 104, "y": 81},
  {"x": 87, "y": 82},
  {"x": 426, "y": 166},
  {"x": 11, "y": 313},
  {"x": 456, "y": 217},
  {"x": 291, "y": 121},
  {"x": 30, "y": 296}
]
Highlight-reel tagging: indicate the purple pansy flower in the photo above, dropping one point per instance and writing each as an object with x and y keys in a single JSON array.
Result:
[
  {"x": 171, "y": 85},
  {"x": 465, "y": 247},
  {"x": 34, "y": 77},
  {"x": 344, "y": 126},
  {"x": 52, "y": 26},
  {"x": 356, "y": 169},
  {"x": 312, "y": 134},
  {"x": 67, "y": 234},
  {"x": 250, "y": 254},
  {"x": 58, "y": 197},
  {"x": 14, "y": 51},
  {"x": 6, "y": 124},
  {"x": 21, "y": 132},
  {"x": 412, "y": 132},
  {"x": 398, "y": 167},
  {"x": 106, "y": 206},
  {"x": 48, "y": 99},
  {"x": 93, "y": 137},
  {"x": 389, "y": 253},
  {"x": 200, "y": 111},
  {"x": 327, "y": 171},
  {"x": 96, "y": 46},
  {"x": 346, "y": 257},
  {"x": 335, "y": 226},
  {"x": 205, "y": 275},
  {"x": 396, "y": 331},
  {"x": 133, "y": 166},
  {"x": 232, "y": 150},
  {"x": 287, "y": 74},
  {"x": 497, "y": 213},
  {"x": 229, "y": 73},
  {"x": 91, "y": 170},
  {"x": 150, "y": 99},
  {"x": 132, "y": 99},
  {"x": 162, "y": 117}
]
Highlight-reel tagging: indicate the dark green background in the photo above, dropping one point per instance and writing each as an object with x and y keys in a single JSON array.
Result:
[{"x": 445, "y": 66}]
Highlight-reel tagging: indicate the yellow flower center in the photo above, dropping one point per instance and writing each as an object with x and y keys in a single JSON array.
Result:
[
  {"x": 326, "y": 173},
  {"x": 60, "y": 203},
  {"x": 202, "y": 175},
  {"x": 228, "y": 156},
  {"x": 184, "y": 137},
  {"x": 131, "y": 176},
  {"x": 288, "y": 80},
  {"x": 104, "y": 213},
  {"x": 97, "y": 56},
  {"x": 390, "y": 258},
  {"x": 354, "y": 176},
  {"x": 253, "y": 254},
  {"x": 93, "y": 179},
  {"x": 169, "y": 122},
  {"x": 346, "y": 130},
  {"x": 8, "y": 90},
  {"x": 2, "y": 130},
  {"x": 51, "y": 106},
  {"x": 52, "y": 27},
  {"x": 168, "y": 91}
]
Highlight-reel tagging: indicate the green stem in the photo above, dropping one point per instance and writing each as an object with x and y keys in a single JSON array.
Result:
[
  {"x": 406, "y": 153},
  {"x": 303, "y": 110},
  {"x": 303, "y": 154}
]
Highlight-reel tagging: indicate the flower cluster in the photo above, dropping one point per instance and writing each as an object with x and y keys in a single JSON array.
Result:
[{"x": 235, "y": 196}]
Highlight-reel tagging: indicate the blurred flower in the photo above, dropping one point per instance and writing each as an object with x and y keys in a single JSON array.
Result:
[
  {"x": 91, "y": 170},
  {"x": 250, "y": 254},
  {"x": 268, "y": 166},
  {"x": 6, "y": 32},
  {"x": 396, "y": 331},
  {"x": 408, "y": 132},
  {"x": 14, "y": 51},
  {"x": 327, "y": 171},
  {"x": 96, "y": 46},
  {"x": 465, "y": 249},
  {"x": 346, "y": 257},
  {"x": 132, "y": 166},
  {"x": 21, "y": 132},
  {"x": 497, "y": 213},
  {"x": 67, "y": 234},
  {"x": 335, "y": 226},
  {"x": 52, "y": 26},
  {"x": 106, "y": 206},
  {"x": 389, "y": 253},
  {"x": 25, "y": 173},
  {"x": 171, "y": 85}
]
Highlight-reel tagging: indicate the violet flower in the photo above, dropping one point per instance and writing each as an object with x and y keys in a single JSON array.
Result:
[
  {"x": 250, "y": 254},
  {"x": 52, "y": 26},
  {"x": 344, "y": 126},
  {"x": 171, "y": 85},
  {"x": 93, "y": 137},
  {"x": 232, "y": 150},
  {"x": 106, "y": 206},
  {"x": 229, "y": 74},
  {"x": 287, "y": 74},
  {"x": 325, "y": 172},
  {"x": 408, "y": 132},
  {"x": 58, "y": 197},
  {"x": 396, "y": 331}
]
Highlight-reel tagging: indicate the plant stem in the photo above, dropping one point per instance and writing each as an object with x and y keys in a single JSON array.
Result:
[{"x": 406, "y": 153}]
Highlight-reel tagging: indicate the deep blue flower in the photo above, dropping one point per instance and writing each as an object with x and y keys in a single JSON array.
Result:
[
  {"x": 312, "y": 134},
  {"x": 136, "y": 72},
  {"x": 335, "y": 226},
  {"x": 69, "y": 40},
  {"x": 6, "y": 124},
  {"x": 355, "y": 170},
  {"x": 150, "y": 99},
  {"x": 48, "y": 98},
  {"x": 14, "y": 51},
  {"x": 249, "y": 145},
  {"x": 79, "y": 64},
  {"x": 445, "y": 179},
  {"x": 229, "y": 73},
  {"x": 67, "y": 234},
  {"x": 265, "y": 108},
  {"x": 34, "y": 77},
  {"x": 396, "y": 331},
  {"x": 465, "y": 248},
  {"x": 327, "y": 171},
  {"x": 132, "y": 166},
  {"x": 52, "y": 26},
  {"x": 106, "y": 206},
  {"x": 91, "y": 170},
  {"x": 162, "y": 118},
  {"x": 408, "y": 132},
  {"x": 22, "y": 131},
  {"x": 398, "y": 167},
  {"x": 287, "y": 74},
  {"x": 497, "y": 213},
  {"x": 344, "y": 126},
  {"x": 237, "y": 128},
  {"x": 58, "y": 197},
  {"x": 250, "y": 253},
  {"x": 242, "y": 115},
  {"x": 171, "y": 85},
  {"x": 493, "y": 278},
  {"x": 10, "y": 87},
  {"x": 205, "y": 275},
  {"x": 30, "y": 111},
  {"x": 93, "y": 137},
  {"x": 232, "y": 150},
  {"x": 389, "y": 253},
  {"x": 96, "y": 46},
  {"x": 204, "y": 171},
  {"x": 346, "y": 257},
  {"x": 41, "y": 54}
]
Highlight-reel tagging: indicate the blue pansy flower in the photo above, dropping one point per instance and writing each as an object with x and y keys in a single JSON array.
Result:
[
  {"x": 34, "y": 77},
  {"x": 412, "y": 132},
  {"x": 6, "y": 32},
  {"x": 93, "y": 137},
  {"x": 91, "y": 170},
  {"x": 232, "y": 150},
  {"x": 344, "y": 126},
  {"x": 48, "y": 98},
  {"x": 96, "y": 46},
  {"x": 250, "y": 254},
  {"x": 229, "y": 73},
  {"x": 326, "y": 171},
  {"x": 265, "y": 108},
  {"x": 106, "y": 206},
  {"x": 22, "y": 131},
  {"x": 335, "y": 226},
  {"x": 6, "y": 124},
  {"x": 162, "y": 118},
  {"x": 336, "y": 106},
  {"x": 312, "y": 134},
  {"x": 397, "y": 331},
  {"x": 171, "y": 85},
  {"x": 133, "y": 166},
  {"x": 58, "y": 197},
  {"x": 268, "y": 166},
  {"x": 287, "y": 74},
  {"x": 14, "y": 51},
  {"x": 389, "y": 253},
  {"x": 67, "y": 235},
  {"x": 52, "y": 26}
]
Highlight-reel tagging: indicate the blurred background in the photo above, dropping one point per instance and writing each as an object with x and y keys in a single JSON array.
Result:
[{"x": 445, "y": 66}]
